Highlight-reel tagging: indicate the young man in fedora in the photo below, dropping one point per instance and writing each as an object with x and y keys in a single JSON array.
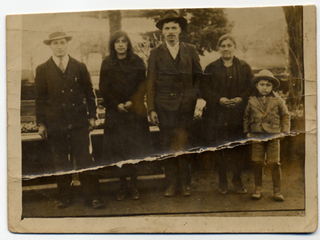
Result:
[
  {"x": 173, "y": 73},
  {"x": 65, "y": 112}
]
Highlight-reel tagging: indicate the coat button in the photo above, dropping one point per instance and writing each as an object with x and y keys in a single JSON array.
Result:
[
  {"x": 71, "y": 90},
  {"x": 171, "y": 94},
  {"x": 70, "y": 126},
  {"x": 73, "y": 104},
  {"x": 63, "y": 104},
  {"x": 62, "y": 91}
]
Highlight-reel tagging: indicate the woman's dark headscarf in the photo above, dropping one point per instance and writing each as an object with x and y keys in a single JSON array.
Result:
[{"x": 113, "y": 39}]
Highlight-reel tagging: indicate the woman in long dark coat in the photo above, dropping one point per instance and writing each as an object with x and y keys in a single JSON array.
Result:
[
  {"x": 226, "y": 88},
  {"x": 126, "y": 133}
]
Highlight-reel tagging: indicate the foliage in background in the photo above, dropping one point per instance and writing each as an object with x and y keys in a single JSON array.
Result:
[{"x": 205, "y": 27}]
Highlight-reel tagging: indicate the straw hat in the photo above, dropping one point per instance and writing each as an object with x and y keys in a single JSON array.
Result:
[
  {"x": 266, "y": 75},
  {"x": 55, "y": 36}
]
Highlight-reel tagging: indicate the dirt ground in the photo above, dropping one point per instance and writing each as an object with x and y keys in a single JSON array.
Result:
[{"x": 205, "y": 199}]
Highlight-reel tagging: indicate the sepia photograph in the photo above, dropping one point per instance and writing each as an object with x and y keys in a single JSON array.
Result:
[{"x": 178, "y": 118}]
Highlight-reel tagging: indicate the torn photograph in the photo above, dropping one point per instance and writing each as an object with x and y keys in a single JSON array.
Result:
[{"x": 190, "y": 120}]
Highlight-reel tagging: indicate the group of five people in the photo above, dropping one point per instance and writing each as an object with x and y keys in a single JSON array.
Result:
[{"x": 65, "y": 108}]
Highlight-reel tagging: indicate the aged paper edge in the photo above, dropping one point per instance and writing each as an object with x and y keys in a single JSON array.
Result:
[{"x": 160, "y": 224}]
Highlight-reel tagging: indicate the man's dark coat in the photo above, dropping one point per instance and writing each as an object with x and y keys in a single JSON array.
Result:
[
  {"x": 64, "y": 100},
  {"x": 173, "y": 87}
]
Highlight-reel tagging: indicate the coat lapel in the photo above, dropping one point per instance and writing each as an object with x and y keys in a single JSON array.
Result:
[
  {"x": 184, "y": 55},
  {"x": 255, "y": 103},
  {"x": 168, "y": 60},
  {"x": 272, "y": 103},
  {"x": 236, "y": 73},
  {"x": 53, "y": 67},
  {"x": 72, "y": 67}
]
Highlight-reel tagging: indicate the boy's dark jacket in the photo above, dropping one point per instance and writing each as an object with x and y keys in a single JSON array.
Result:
[{"x": 275, "y": 119}]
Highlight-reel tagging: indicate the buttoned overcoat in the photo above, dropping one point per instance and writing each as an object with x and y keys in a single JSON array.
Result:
[
  {"x": 173, "y": 87},
  {"x": 64, "y": 100}
]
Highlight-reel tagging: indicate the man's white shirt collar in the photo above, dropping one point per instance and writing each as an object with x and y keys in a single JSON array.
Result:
[
  {"x": 65, "y": 60},
  {"x": 173, "y": 50}
]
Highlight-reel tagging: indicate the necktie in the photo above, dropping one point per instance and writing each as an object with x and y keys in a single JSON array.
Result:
[{"x": 61, "y": 66}]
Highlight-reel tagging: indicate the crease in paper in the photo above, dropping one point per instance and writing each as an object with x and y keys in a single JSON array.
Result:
[{"x": 160, "y": 157}]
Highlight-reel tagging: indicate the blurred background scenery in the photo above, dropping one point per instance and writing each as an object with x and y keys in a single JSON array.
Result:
[{"x": 267, "y": 38}]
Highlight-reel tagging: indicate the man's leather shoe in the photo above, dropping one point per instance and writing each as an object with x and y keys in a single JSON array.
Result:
[
  {"x": 121, "y": 194},
  {"x": 185, "y": 191},
  {"x": 239, "y": 188},
  {"x": 222, "y": 190},
  {"x": 64, "y": 203},
  {"x": 134, "y": 194},
  {"x": 97, "y": 204},
  {"x": 170, "y": 192}
]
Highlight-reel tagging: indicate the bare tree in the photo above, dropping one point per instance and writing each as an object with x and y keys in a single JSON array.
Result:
[
  {"x": 294, "y": 16},
  {"x": 244, "y": 44}
]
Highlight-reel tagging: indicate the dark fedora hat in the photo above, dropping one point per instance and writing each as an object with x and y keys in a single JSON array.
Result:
[
  {"x": 171, "y": 16},
  {"x": 266, "y": 75},
  {"x": 55, "y": 36}
]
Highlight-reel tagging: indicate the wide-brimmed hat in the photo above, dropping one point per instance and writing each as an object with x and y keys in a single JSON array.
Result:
[
  {"x": 171, "y": 15},
  {"x": 56, "y": 36},
  {"x": 266, "y": 75}
]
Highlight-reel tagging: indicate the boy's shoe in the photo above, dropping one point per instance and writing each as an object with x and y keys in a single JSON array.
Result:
[
  {"x": 278, "y": 197},
  {"x": 257, "y": 193}
]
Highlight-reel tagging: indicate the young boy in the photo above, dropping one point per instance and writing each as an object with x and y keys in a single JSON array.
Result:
[{"x": 266, "y": 115}]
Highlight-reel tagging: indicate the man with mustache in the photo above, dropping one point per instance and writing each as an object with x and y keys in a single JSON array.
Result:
[
  {"x": 226, "y": 88},
  {"x": 173, "y": 73}
]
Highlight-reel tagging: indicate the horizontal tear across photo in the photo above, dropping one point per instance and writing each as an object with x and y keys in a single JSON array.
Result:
[{"x": 180, "y": 113}]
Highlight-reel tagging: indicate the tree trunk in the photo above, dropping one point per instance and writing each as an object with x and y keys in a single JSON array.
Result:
[
  {"x": 295, "y": 102},
  {"x": 114, "y": 21},
  {"x": 294, "y": 16}
]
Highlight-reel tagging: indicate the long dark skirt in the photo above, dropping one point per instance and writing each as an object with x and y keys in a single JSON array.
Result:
[{"x": 126, "y": 136}]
